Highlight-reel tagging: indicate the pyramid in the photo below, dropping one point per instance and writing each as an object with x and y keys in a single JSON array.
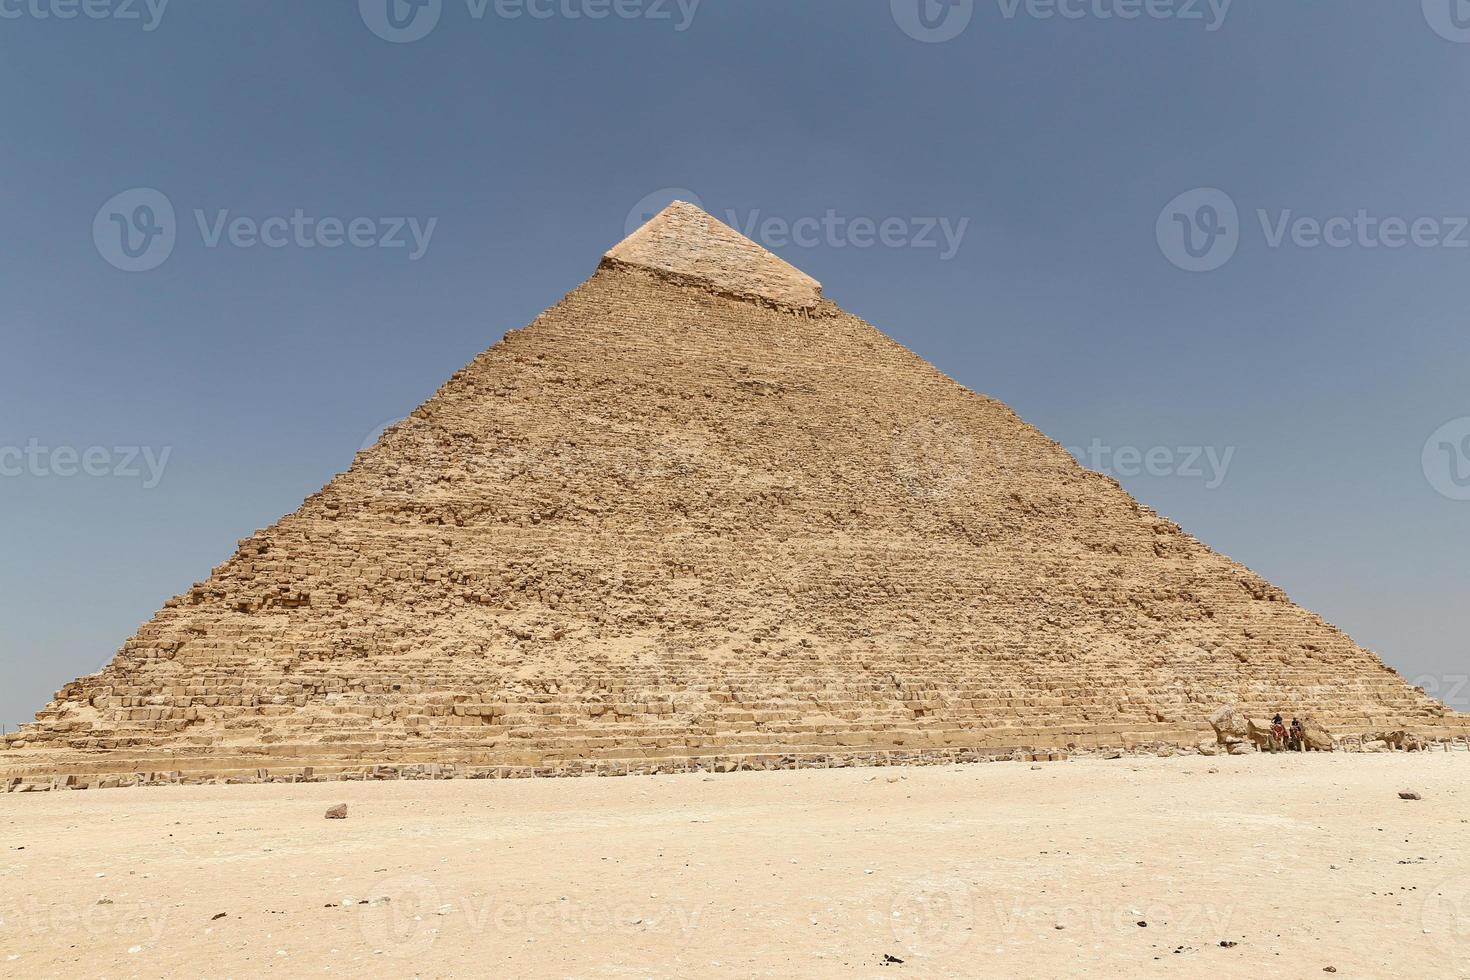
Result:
[{"x": 696, "y": 511}]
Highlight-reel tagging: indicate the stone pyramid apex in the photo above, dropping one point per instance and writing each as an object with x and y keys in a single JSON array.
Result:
[
  {"x": 694, "y": 516},
  {"x": 685, "y": 241}
]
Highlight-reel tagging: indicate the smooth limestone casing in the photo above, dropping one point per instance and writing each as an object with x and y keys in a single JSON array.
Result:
[{"x": 688, "y": 513}]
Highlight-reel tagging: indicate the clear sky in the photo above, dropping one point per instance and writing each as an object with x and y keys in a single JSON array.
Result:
[{"x": 1220, "y": 249}]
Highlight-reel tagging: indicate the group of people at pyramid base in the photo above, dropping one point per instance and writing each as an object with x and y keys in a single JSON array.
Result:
[{"x": 1293, "y": 739}]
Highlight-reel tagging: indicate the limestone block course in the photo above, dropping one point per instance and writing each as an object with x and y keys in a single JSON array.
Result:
[{"x": 696, "y": 511}]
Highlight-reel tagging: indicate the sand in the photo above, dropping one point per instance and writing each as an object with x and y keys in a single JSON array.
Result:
[{"x": 1000, "y": 870}]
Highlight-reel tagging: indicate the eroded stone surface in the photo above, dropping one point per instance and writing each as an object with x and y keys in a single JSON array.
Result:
[{"x": 665, "y": 523}]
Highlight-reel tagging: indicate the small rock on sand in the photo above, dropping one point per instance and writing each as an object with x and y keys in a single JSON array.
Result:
[{"x": 338, "y": 812}]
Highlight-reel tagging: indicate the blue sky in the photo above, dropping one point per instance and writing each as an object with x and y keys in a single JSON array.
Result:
[{"x": 1298, "y": 402}]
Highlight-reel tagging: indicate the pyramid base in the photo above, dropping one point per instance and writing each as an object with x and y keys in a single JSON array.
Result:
[{"x": 22, "y": 770}]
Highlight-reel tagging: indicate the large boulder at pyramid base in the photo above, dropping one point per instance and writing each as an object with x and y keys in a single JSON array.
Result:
[
  {"x": 1261, "y": 736},
  {"x": 1318, "y": 739},
  {"x": 1231, "y": 726},
  {"x": 1400, "y": 740}
]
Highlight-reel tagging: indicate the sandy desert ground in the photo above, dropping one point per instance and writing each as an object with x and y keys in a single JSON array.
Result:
[{"x": 1225, "y": 867}]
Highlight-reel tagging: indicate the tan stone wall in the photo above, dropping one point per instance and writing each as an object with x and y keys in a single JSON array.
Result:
[{"x": 661, "y": 523}]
